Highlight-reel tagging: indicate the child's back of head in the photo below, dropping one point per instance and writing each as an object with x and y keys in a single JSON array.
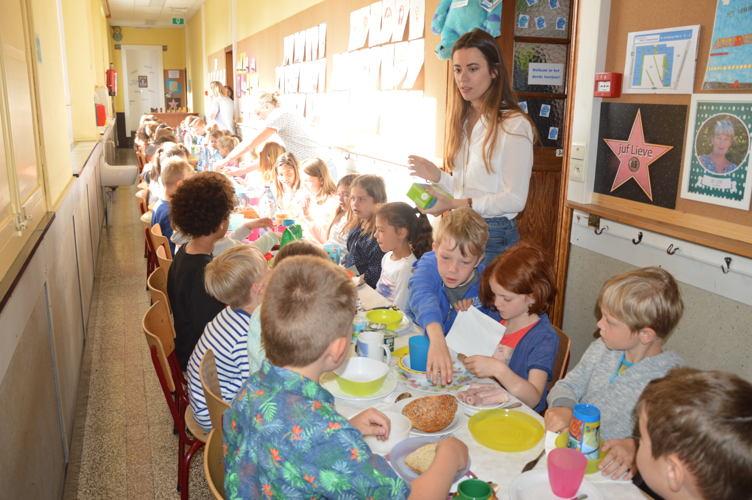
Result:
[
  {"x": 228, "y": 278},
  {"x": 308, "y": 303},
  {"x": 174, "y": 170},
  {"x": 644, "y": 298},
  {"x": 466, "y": 228},
  {"x": 202, "y": 203},
  {"x": 704, "y": 420},
  {"x": 298, "y": 247}
]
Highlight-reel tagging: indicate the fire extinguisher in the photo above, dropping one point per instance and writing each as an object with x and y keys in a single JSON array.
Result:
[{"x": 112, "y": 81}]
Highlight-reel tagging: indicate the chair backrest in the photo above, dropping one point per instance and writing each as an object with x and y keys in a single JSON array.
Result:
[
  {"x": 207, "y": 372},
  {"x": 157, "y": 284},
  {"x": 164, "y": 261},
  {"x": 158, "y": 239},
  {"x": 141, "y": 198},
  {"x": 214, "y": 463},
  {"x": 561, "y": 363},
  {"x": 161, "y": 335}
]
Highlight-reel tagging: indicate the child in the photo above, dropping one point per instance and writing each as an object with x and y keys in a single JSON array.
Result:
[
  {"x": 638, "y": 310},
  {"x": 319, "y": 203},
  {"x": 174, "y": 171},
  {"x": 520, "y": 284},
  {"x": 200, "y": 209},
  {"x": 236, "y": 278},
  {"x": 286, "y": 183},
  {"x": 696, "y": 435},
  {"x": 366, "y": 192},
  {"x": 283, "y": 436},
  {"x": 405, "y": 235},
  {"x": 447, "y": 280},
  {"x": 343, "y": 215},
  {"x": 225, "y": 144}
]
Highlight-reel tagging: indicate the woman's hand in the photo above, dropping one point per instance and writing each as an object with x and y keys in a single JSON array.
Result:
[
  {"x": 618, "y": 459},
  {"x": 483, "y": 366},
  {"x": 372, "y": 422},
  {"x": 439, "y": 367},
  {"x": 420, "y": 167},
  {"x": 443, "y": 202},
  {"x": 557, "y": 418}
]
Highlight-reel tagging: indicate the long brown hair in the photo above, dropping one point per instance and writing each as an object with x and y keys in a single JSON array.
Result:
[
  {"x": 268, "y": 158},
  {"x": 346, "y": 181},
  {"x": 315, "y": 167},
  {"x": 286, "y": 160},
  {"x": 374, "y": 186},
  {"x": 498, "y": 99}
]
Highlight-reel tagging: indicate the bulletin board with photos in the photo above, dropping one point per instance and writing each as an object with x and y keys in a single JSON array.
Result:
[
  {"x": 712, "y": 201},
  {"x": 363, "y": 73}
]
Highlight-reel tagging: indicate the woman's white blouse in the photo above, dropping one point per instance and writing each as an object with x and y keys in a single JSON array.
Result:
[{"x": 503, "y": 192}]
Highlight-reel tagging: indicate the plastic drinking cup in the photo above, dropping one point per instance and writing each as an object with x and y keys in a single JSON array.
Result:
[
  {"x": 566, "y": 468},
  {"x": 418, "y": 352},
  {"x": 474, "y": 489},
  {"x": 371, "y": 345}
]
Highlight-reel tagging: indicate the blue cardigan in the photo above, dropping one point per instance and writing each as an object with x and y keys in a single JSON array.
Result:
[{"x": 537, "y": 349}]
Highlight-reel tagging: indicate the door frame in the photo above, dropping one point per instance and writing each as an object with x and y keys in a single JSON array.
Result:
[{"x": 124, "y": 64}]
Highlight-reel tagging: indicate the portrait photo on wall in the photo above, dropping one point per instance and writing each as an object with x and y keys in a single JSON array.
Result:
[
  {"x": 639, "y": 152},
  {"x": 717, "y": 164}
]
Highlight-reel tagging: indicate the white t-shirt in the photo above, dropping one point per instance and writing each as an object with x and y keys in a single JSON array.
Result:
[
  {"x": 392, "y": 283},
  {"x": 294, "y": 132},
  {"x": 224, "y": 109}
]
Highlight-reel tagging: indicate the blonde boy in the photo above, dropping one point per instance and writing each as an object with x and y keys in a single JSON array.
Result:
[
  {"x": 236, "y": 278},
  {"x": 283, "y": 435},
  {"x": 447, "y": 280},
  {"x": 638, "y": 311},
  {"x": 174, "y": 172},
  {"x": 696, "y": 435}
]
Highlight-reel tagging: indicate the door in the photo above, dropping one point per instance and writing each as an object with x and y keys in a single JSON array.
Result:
[{"x": 143, "y": 81}]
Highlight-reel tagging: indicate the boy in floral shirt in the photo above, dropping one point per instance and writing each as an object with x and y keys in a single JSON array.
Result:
[{"x": 283, "y": 437}]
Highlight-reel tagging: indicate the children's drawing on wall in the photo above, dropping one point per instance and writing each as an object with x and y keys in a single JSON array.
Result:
[
  {"x": 640, "y": 151},
  {"x": 717, "y": 170},
  {"x": 730, "y": 57}
]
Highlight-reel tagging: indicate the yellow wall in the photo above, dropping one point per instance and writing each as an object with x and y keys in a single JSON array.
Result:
[
  {"x": 252, "y": 17},
  {"x": 218, "y": 33},
  {"x": 195, "y": 75},
  {"x": 172, "y": 58}
]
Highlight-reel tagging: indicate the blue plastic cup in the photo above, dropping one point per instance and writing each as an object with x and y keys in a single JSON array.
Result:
[{"x": 418, "y": 352}]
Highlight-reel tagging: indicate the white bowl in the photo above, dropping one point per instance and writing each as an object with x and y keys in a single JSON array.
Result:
[
  {"x": 361, "y": 376},
  {"x": 400, "y": 430}
]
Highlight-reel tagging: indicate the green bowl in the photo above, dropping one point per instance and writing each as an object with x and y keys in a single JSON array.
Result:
[
  {"x": 361, "y": 377},
  {"x": 389, "y": 317}
]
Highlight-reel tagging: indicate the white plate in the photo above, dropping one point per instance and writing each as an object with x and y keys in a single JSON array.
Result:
[
  {"x": 329, "y": 382},
  {"x": 453, "y": 426},
  {"x": 419, "y": 382},
  {"x": 533, "y": 485},
  {"x": 473, "y": 409}
]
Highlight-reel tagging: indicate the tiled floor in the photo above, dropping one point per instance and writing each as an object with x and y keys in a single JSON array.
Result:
[{"x": 123, "y": 446}]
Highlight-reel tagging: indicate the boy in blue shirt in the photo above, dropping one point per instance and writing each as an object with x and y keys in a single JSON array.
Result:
[
  {"x": 446, "y": 281},
  {"x": 174, "y": 172},
  {"x": 283, "y": 435}
]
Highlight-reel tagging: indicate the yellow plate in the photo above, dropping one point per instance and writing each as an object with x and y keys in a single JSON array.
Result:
[
  {"x": 592, "y": 465},
  {"x": 505, "y": 430}
]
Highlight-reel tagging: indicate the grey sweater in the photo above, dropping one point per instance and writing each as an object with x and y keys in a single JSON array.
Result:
[{"x": 590, "y": 382}]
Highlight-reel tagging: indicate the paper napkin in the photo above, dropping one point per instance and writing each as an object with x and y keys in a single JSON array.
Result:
[{"x": 474, "y": 333}]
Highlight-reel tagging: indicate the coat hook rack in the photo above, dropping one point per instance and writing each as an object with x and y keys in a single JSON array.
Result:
[
  {"x": 671, "y": 250},
  {"x": 727, "y": 267},
  {"x": 599, "y": 231},
  {"x": 637, "y": 240}
]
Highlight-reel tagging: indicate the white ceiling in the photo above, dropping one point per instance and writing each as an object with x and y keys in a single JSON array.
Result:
[{"x": 151, "y": 13}]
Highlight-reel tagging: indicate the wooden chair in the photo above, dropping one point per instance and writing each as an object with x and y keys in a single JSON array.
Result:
[
  {"x": 214, "y": 464},
  {"x": 160, "y": 336},
  {"x": 158, "y": 239},
  {"x": 164, "y": 261},
  {"x": 142, "y": 201},
  {"x": 561, "y": 363},
  {"x": 151, "y": 255},
  {"x": 157, "y": 284},
  {"x": 207, "y": 372}
]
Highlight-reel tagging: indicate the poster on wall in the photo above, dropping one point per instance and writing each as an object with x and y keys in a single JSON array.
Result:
[
  {"x": 417, "y": 19},
  {"x": 640, "y": 151},
  {"x": 661, "y": 61},
  {"x": 717, "y": 164},
  {"x": 730, "y": 58}
]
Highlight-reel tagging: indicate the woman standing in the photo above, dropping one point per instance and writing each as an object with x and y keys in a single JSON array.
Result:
[
  {"x": 489, "y": 148},
  {"x": 221, "y": 109},
  {"x": 291, "y": 128}
]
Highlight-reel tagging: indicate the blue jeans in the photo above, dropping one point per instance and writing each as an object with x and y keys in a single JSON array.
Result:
[{"x": 502, "y": 234}]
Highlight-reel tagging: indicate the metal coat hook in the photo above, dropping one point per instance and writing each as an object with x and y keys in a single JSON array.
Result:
[
  {"x": 727, "y": 268},
  {"x": 671, "y": 250},
  {"x": 637, "y": 240},
  {"x": 600, "y": 230}
]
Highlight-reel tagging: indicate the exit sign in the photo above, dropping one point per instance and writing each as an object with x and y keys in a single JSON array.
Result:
[{"x": 178, "y": 20}]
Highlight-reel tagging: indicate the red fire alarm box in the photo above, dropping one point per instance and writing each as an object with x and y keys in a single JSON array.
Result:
[
  {"x": 111, "y": 81},
  {"x": 607, "y": 85}
]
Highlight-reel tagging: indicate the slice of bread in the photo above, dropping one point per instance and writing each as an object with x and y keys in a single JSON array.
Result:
[{"x": 422, "y": 458}]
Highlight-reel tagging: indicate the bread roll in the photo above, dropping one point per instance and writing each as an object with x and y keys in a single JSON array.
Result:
[
  {"x": 431, "y": 413},
  {"x": 422, "y": 458}
]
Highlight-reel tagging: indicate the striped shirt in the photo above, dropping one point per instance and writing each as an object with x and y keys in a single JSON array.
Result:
[{"x": 227, "y": 336}]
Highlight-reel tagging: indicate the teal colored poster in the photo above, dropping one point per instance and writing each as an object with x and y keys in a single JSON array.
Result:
[
  {"x": 730, "y": 57},
  {"x": 717, "y": 159}
]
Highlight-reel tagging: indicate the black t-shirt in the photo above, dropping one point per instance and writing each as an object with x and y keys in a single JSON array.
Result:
[{"x": 192, "y": 306}]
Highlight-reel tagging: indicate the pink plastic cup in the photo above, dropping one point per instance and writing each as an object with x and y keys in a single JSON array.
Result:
[{"x": 566, "y": 468}]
